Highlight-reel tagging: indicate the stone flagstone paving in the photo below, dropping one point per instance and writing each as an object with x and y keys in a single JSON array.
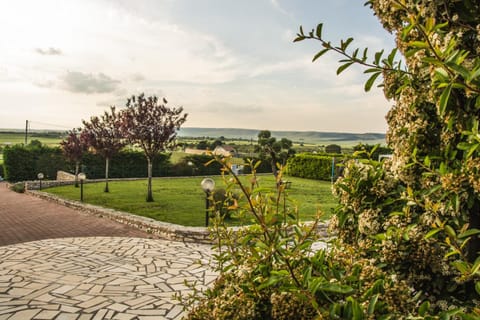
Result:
[{"x": 99, "y": 278}]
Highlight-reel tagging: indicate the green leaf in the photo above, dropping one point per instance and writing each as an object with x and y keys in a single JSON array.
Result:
[
  {"x": 475, "y": 267},
  {"x": 427, "y": 161},
  {"x": 468, "y": 233},
  {"x": 335, "y": 288},
  {"x": 418, "y": 44},
  {"x": 319, "y": 54},
  {"x": 432, "y": 232},
  {"x": 353, "y": 309},
  {"x": 451, "y": 233},
  {"x": 459, "y": 69},
  {"x": 477, "y": 287},
  {"x": 371, "y": 70},
  {"x": 451, "y": 253},
  {"x": 299, "y": 38},
  {"x": 444, "y": 97},
  {"x": 424, "y": 308},
  {"x": 344, "y": 44},
  {"x": 372, "y": 304},
  {"x": 472, "y": 150},
  {"x": 343, "y": 67},
  {"x": 464, "y": 145},
  {"x": 378, "y": 56},
  {"x": 319, "y": 30},
  {"x": 442, "y": 74},
  {"x": 370, "y": 81},
  {"x": 461, "y": 266},
  {"x": 474, "y": 75}
]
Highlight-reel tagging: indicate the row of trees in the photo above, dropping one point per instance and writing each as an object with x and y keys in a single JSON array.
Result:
[{"x": 146, "y": 123}]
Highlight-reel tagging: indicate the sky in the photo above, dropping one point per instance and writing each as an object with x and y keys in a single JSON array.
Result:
[{"x": 228, "y": 63}]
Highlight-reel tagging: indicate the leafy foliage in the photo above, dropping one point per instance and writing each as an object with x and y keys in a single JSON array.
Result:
[
  {"x": 417, "y": 216},
  {"x": 25, "y": 162},
  {"x": 314, "y": 166},
  {"x": 333, "y": 148},
  {"x": 152, "y": 126},
  {"x": 408, "y": 229},
  {"x": 276, "y": 152},
  {"x": 74, "y": 146},
  {"x": 104, "y": 136}
]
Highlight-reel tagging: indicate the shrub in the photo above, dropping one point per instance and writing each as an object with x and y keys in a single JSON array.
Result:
[
  {"x": 263, "y": 165},
  {"x": 199, "y": 164},
  {"x": 313, "y": 167},
  {"x": 417, "y": 215},
  {"x": 18, "y": 187},
  {"x": 23, "y": 163},
  {"x": 333, "y": 148},
  {"x": 19, "y": 163},
  {"x": 270, "y": 270},
  {"x": 224, "y": 203},
  {"x": 125, "y": 164}
]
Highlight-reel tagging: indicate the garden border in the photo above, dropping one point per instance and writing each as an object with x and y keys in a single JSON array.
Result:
[{"x": 163, "y": 230}]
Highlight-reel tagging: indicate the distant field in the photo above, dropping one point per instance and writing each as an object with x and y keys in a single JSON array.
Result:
[
  {"x": 181, "y": 200},
  {"x": 9, "y": 138},
  {"x": 308, "y": 137}
]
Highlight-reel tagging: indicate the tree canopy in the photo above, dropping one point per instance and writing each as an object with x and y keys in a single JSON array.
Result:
[{"x": 151, "y": 125}]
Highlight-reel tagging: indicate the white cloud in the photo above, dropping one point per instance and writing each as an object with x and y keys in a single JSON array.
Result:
[
  {"x": 79, "y": 82},
  {"x": 220, "y": 59},
  {"x": 49, "y": 51}
]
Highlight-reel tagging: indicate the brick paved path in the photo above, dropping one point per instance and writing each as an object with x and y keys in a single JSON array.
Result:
[
  {"x": 26, "y": 218},
  {"x": 78, "y": 274},
  {"x": 99, "y": 278}
]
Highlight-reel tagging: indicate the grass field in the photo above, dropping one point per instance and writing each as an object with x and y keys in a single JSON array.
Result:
[
  {"x": 10, "y": 138},
  {"x": 181, "y": 200}
]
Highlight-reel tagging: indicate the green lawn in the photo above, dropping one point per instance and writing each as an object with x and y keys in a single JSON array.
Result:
[
  {"x": 181, "y": 200},
  {"x": 11, "y": 138}
]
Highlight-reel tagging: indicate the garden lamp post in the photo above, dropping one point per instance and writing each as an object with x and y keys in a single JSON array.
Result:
[
  {"x": 40, "y": 177},
  {"x": 81, "y": 176},
  {"x": 207, "y": 186},
  {"x": 190, "y": 164}
]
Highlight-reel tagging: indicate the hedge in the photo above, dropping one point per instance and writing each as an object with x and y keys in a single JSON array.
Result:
[
  {"x": 264, "y": 167},
  {"x": 126, "y": 164},
  {"x": 24, "y": 163},
  {"x": 313, "y": 167}
]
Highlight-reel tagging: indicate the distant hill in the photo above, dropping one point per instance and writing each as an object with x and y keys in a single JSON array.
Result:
[
  {"x": 313, "y": 137},
  {"x": 307, "y": 137}
]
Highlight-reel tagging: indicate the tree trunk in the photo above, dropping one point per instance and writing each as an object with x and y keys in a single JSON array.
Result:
[
  {"x": 149, "y": 188},
  {"x": 107, "y": 161},
  {"x": 77, "y": 166},
  {"x": 273, "y": 163}
]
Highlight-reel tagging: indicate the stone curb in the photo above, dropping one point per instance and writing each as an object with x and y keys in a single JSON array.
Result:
[
  {"x": 163, "y": 230},
  {"x": 159, "y": 229}
]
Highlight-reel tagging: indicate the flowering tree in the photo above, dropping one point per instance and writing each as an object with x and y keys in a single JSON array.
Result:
[
  {"x": 73, "y": 147},
  {"x": 419, "y": 215},
  {"x": 151, "y": 125},
  {"x": 103, "y": 135}
]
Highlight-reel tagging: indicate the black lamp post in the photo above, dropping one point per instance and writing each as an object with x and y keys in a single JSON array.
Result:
[
  {"x": 40, "y": 177},
  {"x": 190, "y": 164},
  {"x": 81, "y": 176},
  {"x": 207, "y": 186}
]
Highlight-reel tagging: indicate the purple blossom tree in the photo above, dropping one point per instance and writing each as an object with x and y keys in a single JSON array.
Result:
[
  {"x": 104, "y": 136},
  {"x": 152, "y": 126},
  {"x": 74, "y": 147}
]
